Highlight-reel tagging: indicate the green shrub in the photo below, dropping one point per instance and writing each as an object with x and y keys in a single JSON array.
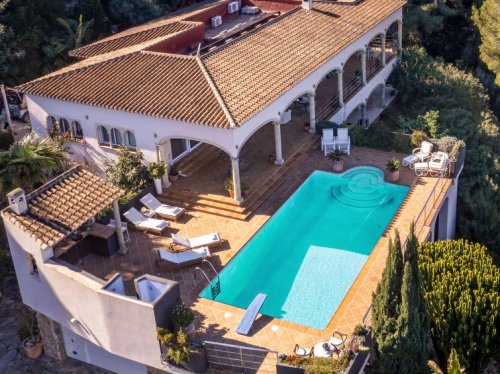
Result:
[
  {"x": 380, "y": 137},
  {"x": 417, "y": 137},
  {"x": 444, "y": 144},
  {"x": 182, "y": 315},
  {"x": 462, "y": 289},
  {"x": 319, "y": 365},
  {"x": 127, "y": 171}
]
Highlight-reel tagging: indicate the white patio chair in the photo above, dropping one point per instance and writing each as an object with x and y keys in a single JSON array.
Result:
[
  {"x": 126, "y": 236},
  {"x": 143, "y": 223},
  {"x": 163, "y": 210},
  {"x": 303, "y": 352},
  {"x": 327, "y": 141},
  {"x": 343, "y": 140},
  {"x": 208, "y": 240},
  {"x": 424, "y": 152},
  {"x": 179, "y": 259},
  {"x": 438, "y": 163}
]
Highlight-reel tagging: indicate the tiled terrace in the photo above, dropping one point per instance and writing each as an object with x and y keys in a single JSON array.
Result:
[{"x": 218, "y": 321}]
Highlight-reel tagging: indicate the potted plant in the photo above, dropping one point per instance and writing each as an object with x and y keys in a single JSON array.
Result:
[
  {"x": 175, "y": 346},
  {"x": 229, "y": 185},
  {"x": 157, "y": 171},
  {"x": 307, "y": 126},
  {"x": 338, "y": 159},
  {"x": 271, "y": 157},
  {"x": 183, "y": 318},
  {"x": 392, "y": 167},
  {"x": 173, "y": 174},
  {"x": 28, "y": 333}
]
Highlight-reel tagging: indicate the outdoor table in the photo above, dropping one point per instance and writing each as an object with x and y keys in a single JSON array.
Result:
[{"x": 320, "y": 351}]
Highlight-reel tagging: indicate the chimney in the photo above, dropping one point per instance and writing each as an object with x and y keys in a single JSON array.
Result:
[
  {"x": 17, "y": 201},
  {"x": 307, "y": 4}
]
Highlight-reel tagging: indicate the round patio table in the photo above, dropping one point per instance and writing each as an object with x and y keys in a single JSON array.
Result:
[{"x": 321, "y": 351}]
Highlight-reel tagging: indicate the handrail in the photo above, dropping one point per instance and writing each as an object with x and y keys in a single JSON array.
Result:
[
  {"x": 440, "y": 180},
  {"x": 215, "y": 271},
  {"x": 241, "y": 347}
]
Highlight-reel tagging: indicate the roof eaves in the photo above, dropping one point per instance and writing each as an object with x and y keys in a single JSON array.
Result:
[{"x": 216, "y": 92}]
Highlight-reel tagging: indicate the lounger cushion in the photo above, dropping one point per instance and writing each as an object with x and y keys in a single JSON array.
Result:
[
  {"x": 204, "y": 240},
  {"x": 181, "y": 257},
  {"x": 181, "y": 240},
  {"x": 153, "y": 224},
  {"x": 168, "y": 210}
]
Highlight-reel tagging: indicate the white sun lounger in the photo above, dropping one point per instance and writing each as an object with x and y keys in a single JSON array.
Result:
[
  {"x": 185, "y": 258},
  {"x": 250, "y": 315},
  {"x": 163, "y": 210},
  {"x": 208, "y": 240},
  {"x": 143, "y": 223}
]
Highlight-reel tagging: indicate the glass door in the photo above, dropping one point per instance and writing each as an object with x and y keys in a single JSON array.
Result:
[{"x": 179, "y": 148}]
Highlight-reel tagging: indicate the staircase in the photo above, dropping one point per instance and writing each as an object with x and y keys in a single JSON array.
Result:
[{"x": 224, "y": 206}]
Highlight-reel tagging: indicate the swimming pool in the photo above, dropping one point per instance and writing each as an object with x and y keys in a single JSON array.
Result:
[{"x": 306, "y": 257}]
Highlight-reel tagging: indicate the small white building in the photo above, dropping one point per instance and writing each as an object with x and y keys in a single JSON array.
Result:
[{"x": 212, "y": 75}]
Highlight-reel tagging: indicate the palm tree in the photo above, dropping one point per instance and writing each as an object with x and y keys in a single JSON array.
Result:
[
  {"x": 28, "y": 163},
  {"x": 81, "y": 32}
]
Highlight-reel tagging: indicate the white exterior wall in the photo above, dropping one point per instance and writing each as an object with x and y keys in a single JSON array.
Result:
[
  {"x": 229, "y": 140},
  {"x": 114, "y": 323}
]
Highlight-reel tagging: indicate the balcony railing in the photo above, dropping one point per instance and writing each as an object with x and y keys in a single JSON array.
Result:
[
  {"x": 373, "y": 66},
  {"x": 327, "y": 110}
]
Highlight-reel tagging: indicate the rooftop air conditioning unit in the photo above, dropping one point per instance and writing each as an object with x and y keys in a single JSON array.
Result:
[
  {"x": 232, "y": 7},
  {"x": 250, "y": 10},
  {"x": 216, "y": 21}
]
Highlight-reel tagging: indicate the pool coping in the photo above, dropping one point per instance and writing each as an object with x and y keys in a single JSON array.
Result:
[{"x": 381, "y": 244}]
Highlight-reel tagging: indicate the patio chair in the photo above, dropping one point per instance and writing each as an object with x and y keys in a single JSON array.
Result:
[
  {"x": 126, "y": 236},
  {"x": 343, "y": 140},
  {"x": 421, "y": 168},
  {"x": 438, "y": 163},
  {"x": 163, "y": 210},
  {"x": 143, "y": 223},
  {"x": 424, "y": 152},
  {"x": 208, "y": 240},
  {"x": 327, "y": 141},
  {"x": 337, "y": 341},
  {"x": 181, "y": 259},
  {"x": 303, "y": 352}
]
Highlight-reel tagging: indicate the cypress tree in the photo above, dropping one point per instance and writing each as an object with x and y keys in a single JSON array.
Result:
[
  {"x": 386, "y": 304},
  {"x": 413, "y": 322}
]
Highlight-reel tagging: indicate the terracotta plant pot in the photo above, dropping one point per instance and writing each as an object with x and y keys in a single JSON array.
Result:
[
  {"x": 394, "y": 176},
  {"x": 245, "y": 193},
  {"x": 32, "y": 348},
  {"x": 338, "y": 165},
  {"x": 231, "y": 193},
  {"x": 174, "y": 178}
]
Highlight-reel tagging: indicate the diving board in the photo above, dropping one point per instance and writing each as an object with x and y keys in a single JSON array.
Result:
[{"x": 250, "y": 315}]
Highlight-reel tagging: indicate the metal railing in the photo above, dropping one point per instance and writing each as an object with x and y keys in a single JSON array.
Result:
[
  {"x": 419, "y": 221},
  {"x": 240, "y": 357},
  {"x": 327, "y": 110}
]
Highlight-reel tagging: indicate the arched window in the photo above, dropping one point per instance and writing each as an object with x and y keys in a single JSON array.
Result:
[
  {"x": 130, "y": 139},
  {"x": 51, "y": 121},
  {"x": 116, "y": 137},
  {"x": 103, "y": 135},
  {"x": 64, "y": 125},
  {"x": 76, "y": 130}
]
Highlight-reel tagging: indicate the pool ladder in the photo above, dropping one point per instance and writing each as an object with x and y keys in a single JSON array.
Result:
[{"x": 214, "y": 286}]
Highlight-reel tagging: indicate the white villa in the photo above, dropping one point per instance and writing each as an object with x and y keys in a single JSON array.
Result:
[
  {"x": 164, "y": 87},
  {"x": 212, "y": 75}
]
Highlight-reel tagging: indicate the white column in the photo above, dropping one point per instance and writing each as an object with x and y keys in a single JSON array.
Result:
[
  {"x": 312, "y": 113},
  {"x": 340, "y": 81},
  {"x": 363, "y": 66},
  {"x": 235, "y": 166},
  {"x": 160, "y": 156},
  {"x": 277, "y": 143},
  {"x": 400, "y": 35},
  {"x": 383, "y": 50},
  {"x": 121, "y": 241},
  {"x": 383, "y": 96}
]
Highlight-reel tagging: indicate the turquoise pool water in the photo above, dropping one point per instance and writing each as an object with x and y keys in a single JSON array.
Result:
[{"x": 308, "y": 254}]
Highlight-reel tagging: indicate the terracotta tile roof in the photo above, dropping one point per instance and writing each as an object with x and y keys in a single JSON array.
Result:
[
  {"x": 231, "y": 83},
  {"x": 72, "y": 198},
  {"x": 150, "y": 83},
  {"x": 42, "y": 234},
  {"x": 277, "y": 56},
  {"x": 63, "y": 205},
  {"x": 129, "y": 39}
]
